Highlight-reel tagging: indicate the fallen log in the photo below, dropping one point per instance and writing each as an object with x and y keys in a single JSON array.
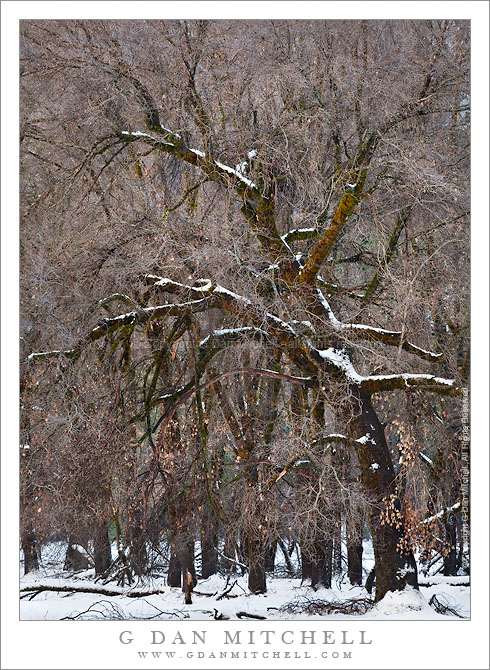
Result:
[
  {"x": 219, "y": 616},
  {"x": 40, "y": 588},
  {"x": 246, "y": 615},
  {"x": 429, "y": 583}
]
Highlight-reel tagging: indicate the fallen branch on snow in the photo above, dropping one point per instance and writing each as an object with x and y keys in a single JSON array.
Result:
[
  {"x": 246, "y": 615},
  {"x": 442, "y": 606},
  {"x": 40, "y": 588},
  {"x": 305, "y": 605},
  {"x": 225, "y": 593}
]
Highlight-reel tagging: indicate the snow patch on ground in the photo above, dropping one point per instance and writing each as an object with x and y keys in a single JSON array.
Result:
[
  {"x": 208, "y": 601},
  {"x": 400, "y": 604}
]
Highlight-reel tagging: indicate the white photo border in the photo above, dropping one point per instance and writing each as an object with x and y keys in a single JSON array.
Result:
[{"x": 396, "y": 644}]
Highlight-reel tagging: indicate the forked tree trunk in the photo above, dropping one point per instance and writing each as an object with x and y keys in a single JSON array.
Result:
[
  {"x": 395, "y": 564},
  {"x": 181, "y": 563}
]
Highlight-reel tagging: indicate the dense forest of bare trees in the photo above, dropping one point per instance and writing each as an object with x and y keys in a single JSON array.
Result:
[{"x": 245, "y": 296}]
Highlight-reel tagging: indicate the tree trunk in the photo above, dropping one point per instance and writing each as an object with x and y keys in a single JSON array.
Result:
[
  {"x": 256, "y": 564},
  {"x": 187, "y": 586},
  {"x": 174, "y": 576},
  {"x": 306, "y": 566},
  {"x": 188, "y": 567},
  {"x": 321, "y": 564},
  {"x": 209, "y": 542},
  {"x": 102, "y": 549},
  {"x": 138, "y": 556},
  {"x": 337, "y": 544},
  {"x": 450, "y": 560},
  {"x": 370, "y": 581},
  {"x": 354, "y": 561},
  {"x": 230, "y": 551},
  {"x": 395, "y": 564},
  {"x": 270, "y": 556},
  {"x": 287, "y": 557},
  {"x": 74, "y": 559},
  {"x": 354, "y": 549},
  {"x": 31, "y": 553}
]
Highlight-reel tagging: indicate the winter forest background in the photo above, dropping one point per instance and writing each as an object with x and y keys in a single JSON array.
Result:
[{"x": 244, "y": 318}]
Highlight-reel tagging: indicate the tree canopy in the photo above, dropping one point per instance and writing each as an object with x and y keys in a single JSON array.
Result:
[{"x": 245, "y": 281}]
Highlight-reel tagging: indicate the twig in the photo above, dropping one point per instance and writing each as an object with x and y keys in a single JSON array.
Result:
[
  {"x": 225, "y": 593},
  {"x": 441, "y": 607},
  {"x": 232, "y": 560}
]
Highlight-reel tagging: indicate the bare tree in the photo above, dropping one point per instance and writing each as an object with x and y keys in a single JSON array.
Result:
[{"x": 295, "y": 188}]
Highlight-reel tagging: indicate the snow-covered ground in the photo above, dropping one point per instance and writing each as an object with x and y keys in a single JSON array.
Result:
[{"x": 285, "y": 599}]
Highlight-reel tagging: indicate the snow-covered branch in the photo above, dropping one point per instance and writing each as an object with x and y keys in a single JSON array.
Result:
[
  {"x": 339, "y": 359},
  {"x": 300, "y": 234},
  {"x": 442, "y": 513},
  {"x": 173, "y": 143},
  {"x": 408, "y": 381},
  {"x": 258, "y": 207},
  {"x": 228, "y": 300},
  {"x": 128, "y": 320},
  {"x": 366, "y": 332},
  {"x": 55, "y": 353}
]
